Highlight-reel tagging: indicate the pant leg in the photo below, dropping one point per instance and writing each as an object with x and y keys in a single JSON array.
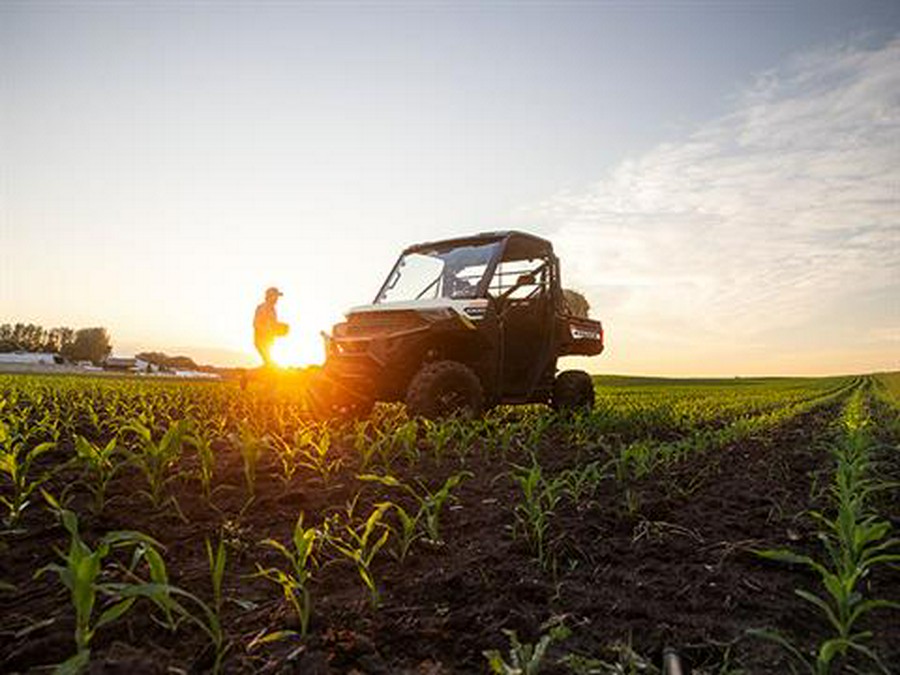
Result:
[{"x": 264, "y": 347}]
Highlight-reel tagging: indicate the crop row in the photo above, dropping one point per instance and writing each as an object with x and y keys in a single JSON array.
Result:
[{"x": 855, "y": 543}]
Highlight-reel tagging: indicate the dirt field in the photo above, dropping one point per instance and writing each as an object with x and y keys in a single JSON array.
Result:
[{"x": 669, "y": 563}]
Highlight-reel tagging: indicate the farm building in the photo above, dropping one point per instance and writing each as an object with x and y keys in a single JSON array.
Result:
[
  {"x": 31, "y": 358},
  {"x": 120, "y": 363}
]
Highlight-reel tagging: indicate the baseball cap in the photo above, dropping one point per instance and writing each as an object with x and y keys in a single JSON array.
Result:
[{"x": 271, "y": 290}]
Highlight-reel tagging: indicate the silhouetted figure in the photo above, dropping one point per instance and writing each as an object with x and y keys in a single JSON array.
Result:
[{"x": 266, "y": 326}]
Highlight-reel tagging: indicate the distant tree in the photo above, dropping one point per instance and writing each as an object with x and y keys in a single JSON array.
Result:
[
  {"x": 37, "y": 337},
  {"x": 66, "y": 338},
  {"x": 90, "y": 344},
  {"x": 6, "y": 338},
  {"x": 34, "y": 338},
  {"x": 577, "y": 303},
  {"x": 182, "y": 363},
  {"x": 165, "y": 361},
  {"x": 24, "y": 337}
]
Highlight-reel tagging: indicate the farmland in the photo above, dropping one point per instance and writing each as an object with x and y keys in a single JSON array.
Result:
[{"x": 155, "y": 526}]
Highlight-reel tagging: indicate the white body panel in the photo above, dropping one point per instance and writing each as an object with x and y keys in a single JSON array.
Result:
[{"x": 457, "y": 305}]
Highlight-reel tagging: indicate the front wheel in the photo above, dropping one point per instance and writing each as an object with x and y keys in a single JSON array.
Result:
[
  {"x": 573, "y": 390},
  {"x": 444, "y": 388}
]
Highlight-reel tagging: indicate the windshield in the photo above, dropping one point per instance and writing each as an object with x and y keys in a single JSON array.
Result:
[{"x": 439, "y": 273}]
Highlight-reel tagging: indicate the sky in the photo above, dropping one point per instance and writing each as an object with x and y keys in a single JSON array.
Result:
[{"x": 720, "y": 179}]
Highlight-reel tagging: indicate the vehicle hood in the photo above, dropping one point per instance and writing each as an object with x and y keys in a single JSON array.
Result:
[{"x": 477, "y": 305}]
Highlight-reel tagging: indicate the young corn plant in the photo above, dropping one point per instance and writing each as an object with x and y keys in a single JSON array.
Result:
[
  {"x": 408, "y": 531},
  {"x": 363, "y": 446},
  {"x": 360, "y": 545},
  {"x": 295, "y": 581},
  {"x": 535, "y": 430},
  {"x": 81, "y": 575},
  {"x": 168, "y": 597},
  {"x": 468, "y": 433},
  {"x": 439, "y": 434},
  {"x": 633, "y": 462},
  {"x": 534, "y": 513},
  {"x": 431, "y": 503},
  {"x": 251, "y": 447},
  {"x": 381, "y": 449},
  {"x": 503, "y": 435},
  {"x": 842, "y": 605},
  {"x": 98, "y": 462},
  {"x": 317, "y": 455},
  {"x": 581, "y": 481},
  {"x": 404, "y": 441},
  {"x": 288, "y": 452},
  {"x": 16, "y": 459},
  {"x": 201, "y": 441},
  {"x": 156, "y": 458},
  {"x": 217, "y": 560}
]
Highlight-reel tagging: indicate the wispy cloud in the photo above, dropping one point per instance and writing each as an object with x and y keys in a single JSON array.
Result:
[{"x": 764, "y": 220}]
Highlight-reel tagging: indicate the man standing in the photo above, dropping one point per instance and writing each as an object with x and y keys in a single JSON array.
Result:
[{"x": 266, "y": 326}]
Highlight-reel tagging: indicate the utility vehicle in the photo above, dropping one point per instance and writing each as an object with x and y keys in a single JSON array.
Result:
[{"x": 457, "y": 326}]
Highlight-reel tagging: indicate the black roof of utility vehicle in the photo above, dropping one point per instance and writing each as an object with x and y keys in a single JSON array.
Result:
[{"x": 528, "y": 246}]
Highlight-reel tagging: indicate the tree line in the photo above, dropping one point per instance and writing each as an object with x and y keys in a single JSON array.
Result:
[{"x": 85, "y": 344}]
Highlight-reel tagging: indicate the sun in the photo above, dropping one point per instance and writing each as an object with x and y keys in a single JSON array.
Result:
[{"x": 297, "y": 349}]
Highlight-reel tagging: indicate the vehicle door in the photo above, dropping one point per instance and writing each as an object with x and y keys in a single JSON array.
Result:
[{"x": 522, "y": 292}]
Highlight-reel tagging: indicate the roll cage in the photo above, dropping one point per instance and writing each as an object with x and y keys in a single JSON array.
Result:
[{"x": 495, "y": 277}]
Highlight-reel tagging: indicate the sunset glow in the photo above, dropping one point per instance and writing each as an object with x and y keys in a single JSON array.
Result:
[{"x": 298, "y": 350}]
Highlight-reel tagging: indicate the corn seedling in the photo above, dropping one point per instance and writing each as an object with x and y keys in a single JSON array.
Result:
[
  {"x": 166, "y": 596},
  {"x": 295, "y": 581},
  {"x": 81, "y": 575},
  {"x": 405, "y": 440},
  {"x": 363, "y": 446},
  {"x": 503, "y": 435},
  {"x": 316, "y": 452},
  {"x": 16, "y": 460},
  {"x": 438, "y": 435},
  {"x": 535, "y": 430},
  {"x": 581, "y": 481},
  {"x": 360, "y": 545},
  {"x": 534, "y": 512},
  {"x": 202, "y": 444},
  {"x": 288, "y": 452},
  {"x": 156, "y": 458},
  {"x": 408, "y": 532},
  {"x": 251, "y": 447},
  {"x": 99, "y": 467},
  {"x": 431, "y": 503},
  {"x": 217, "y": 560}
]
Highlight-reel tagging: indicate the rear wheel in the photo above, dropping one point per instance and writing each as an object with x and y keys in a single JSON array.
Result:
[
  {"x": 573, "y": 390},
  {"x": 444, "y": 388}
]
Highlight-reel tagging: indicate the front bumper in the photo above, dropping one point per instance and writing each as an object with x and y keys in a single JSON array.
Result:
[{"x": 373, "y": 364}]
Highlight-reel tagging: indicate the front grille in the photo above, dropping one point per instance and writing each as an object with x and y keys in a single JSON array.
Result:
[{"x": 379, "y": 323}]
